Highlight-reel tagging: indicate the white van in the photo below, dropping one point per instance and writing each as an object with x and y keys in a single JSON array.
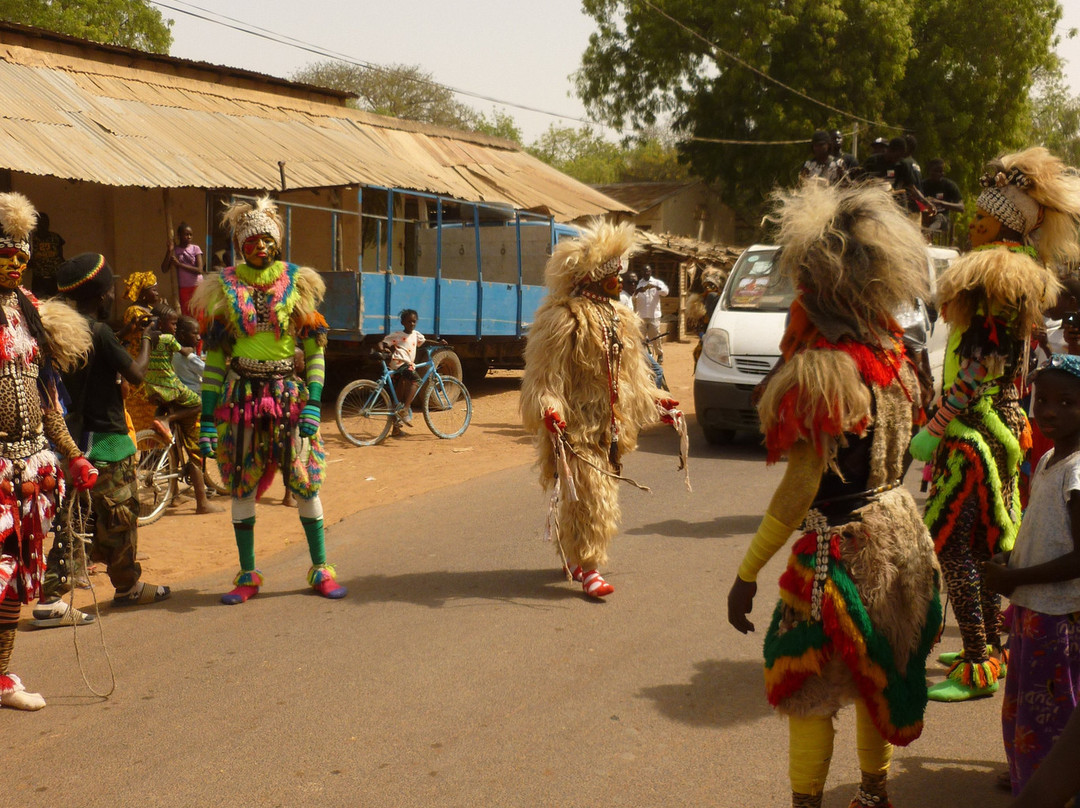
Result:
[{"x": 742, "y": 342}]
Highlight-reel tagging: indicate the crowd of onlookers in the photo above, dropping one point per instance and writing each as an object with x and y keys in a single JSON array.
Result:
[{"x": 931, "y": 198}]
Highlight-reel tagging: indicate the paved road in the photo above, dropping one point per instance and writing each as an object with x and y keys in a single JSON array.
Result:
[{"x": 462, "y": 670}]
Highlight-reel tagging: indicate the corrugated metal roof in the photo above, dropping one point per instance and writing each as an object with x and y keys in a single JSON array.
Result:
[
  {"x": 644, "y": 195},
  {"x": 79, "y": 118}
]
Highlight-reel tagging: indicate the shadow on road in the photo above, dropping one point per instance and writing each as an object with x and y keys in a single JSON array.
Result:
[
  {"x": 930, "y": 782},
  {"x": 722, "y": 527},
  {"x": 663, "y": 440},
  {"x": 437, "y": 589},
  {"x": 722, "y": 693}
]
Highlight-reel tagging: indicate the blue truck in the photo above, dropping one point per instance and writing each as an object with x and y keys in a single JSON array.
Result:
[{"x": 472, "y": 271}]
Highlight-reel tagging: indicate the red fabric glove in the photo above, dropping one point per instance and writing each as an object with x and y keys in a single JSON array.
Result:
[
  {"x": 553, "y": 421},
  {"x": 82, "y": 474}
]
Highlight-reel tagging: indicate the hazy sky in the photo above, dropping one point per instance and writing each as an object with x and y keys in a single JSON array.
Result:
[{"x": 515, "y": 50}]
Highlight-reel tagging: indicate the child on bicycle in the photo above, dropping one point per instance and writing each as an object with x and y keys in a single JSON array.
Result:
[
  {"x": 163, "y": 387},
  {"x": 402, "y": 346}
]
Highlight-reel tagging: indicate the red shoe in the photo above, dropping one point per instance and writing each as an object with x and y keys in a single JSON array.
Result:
[
  {"x": 594, "y": 585},
  {"x": 321, "y": 579},
  {"x": 247, "y": 586},
  {"x": 575, "y": 574}
]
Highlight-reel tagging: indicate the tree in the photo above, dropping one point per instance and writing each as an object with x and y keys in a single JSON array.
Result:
[
  {"x": 1056, "y": 120},
  {"x": 500, "y": 124},
  {"x": 129, "y": 23},
  {"x": 958, "y": 72},
  {"x": 399, "y": 91},
  {"x": 581, "y": 153}
]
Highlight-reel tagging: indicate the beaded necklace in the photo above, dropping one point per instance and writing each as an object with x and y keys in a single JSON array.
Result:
[{"x": 607, "y": 320}]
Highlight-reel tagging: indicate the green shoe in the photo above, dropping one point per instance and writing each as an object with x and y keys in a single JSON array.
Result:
[
  {"x": 949, "y": 657},
  {"x": 955, "y": 690}
]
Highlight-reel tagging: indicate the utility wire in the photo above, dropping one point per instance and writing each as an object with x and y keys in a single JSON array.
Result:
[
  {"x": 282, "y": 39},
  {"x": 716, "y": 48}
]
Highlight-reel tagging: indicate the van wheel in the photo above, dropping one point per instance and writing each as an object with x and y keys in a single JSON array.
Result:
[{"x": 718, "y": 437}]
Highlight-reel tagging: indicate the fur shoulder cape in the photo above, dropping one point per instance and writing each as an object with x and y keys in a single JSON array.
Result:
[
  {"x": 70, "y": 339},
  {"x": 817, "y": 395},
  {"x": 1003, "y": 280},
  {"x": 223, "y": 302}
]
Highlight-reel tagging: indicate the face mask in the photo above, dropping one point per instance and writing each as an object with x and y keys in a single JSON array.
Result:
[
  {"x": 260, "y": 250},
  {"x": 13, "y": 263}
]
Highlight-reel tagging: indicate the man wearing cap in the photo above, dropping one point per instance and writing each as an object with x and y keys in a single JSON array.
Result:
[
  {"x": 96, "y": 420},
  {"x": 821, "y": 165}
]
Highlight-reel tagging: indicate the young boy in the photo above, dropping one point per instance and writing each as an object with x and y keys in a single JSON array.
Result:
[
  {"x": 402, "y": 346},
  {"x": 98, "y": 424},
  {"x": 187, "y": 364}
]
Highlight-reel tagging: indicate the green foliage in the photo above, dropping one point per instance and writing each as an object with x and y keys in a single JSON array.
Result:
[
  {"x": 500, "y": 124},
  {"x": 586, "y": 156},
  {"x": 399, "y": 91},
  {"x": 956, "y": 72},
  {"x": 129, "y": 23},
  {"x": 1056, "y": 120}
]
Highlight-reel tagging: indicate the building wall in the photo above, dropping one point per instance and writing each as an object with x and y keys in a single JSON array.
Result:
[{"x": 679, "y": 215}]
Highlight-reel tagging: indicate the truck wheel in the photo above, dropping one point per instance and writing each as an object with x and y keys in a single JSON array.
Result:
[
  {"x": 447, "y": 363},
  {"x": 718, "y": 437}
]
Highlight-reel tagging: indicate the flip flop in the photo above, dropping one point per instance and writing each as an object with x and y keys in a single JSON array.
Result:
[
  {"x": 59, "y": 614},
  {"x": 142, "y": 594}
]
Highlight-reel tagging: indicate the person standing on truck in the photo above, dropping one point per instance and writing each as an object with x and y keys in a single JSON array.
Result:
[
  {"x": 254, "y": 316},
  {"x": 647, "y": 304}
]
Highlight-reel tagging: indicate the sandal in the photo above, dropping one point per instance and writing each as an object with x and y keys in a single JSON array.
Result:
[
  {"x": 162, "y": 429},
  {"x": 141, "y": 594},
  {"x": 594, "y": 585},
  {"x": 58, "y": 613}
]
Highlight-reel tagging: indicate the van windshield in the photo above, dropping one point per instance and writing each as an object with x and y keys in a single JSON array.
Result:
[{"x": 757, "y": 285}]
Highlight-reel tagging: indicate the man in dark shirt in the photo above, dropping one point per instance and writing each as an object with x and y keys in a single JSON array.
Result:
[
  {"x": 849, "y": 166},
  {"x": 97, "y": 422},
  {"x": 821, "y": 165},
  {"x": 943, "y": 194},
  {"x": 894, "y": 170}
]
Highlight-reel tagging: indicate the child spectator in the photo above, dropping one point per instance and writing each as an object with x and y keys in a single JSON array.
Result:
[
  {"x": 185, "y": 257},
  {"x": 163, "y": 387},
  {"x": 1041, "y": 576},
  {"x": 402, "y": 346},
  {"x": 188, "y": 366}
]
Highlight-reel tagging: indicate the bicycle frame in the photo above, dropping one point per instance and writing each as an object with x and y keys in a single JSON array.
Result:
[{"x": 386, "y": 382}]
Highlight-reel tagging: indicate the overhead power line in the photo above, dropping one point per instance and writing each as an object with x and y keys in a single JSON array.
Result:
[
  {"x": 716, "y": 48},
  {"x": 293, "y": 42}
]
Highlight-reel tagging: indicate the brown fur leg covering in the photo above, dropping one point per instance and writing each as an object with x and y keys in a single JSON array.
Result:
[{"x": 587, "y": 526}]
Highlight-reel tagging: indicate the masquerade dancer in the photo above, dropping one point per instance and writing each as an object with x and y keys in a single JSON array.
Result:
[
  {"x": 992, "y": 298},
  {"x": 261, "y": 417},
  {"x": 859, "y": 606},
  {"x": 35, "y": 342},
  {"x": 586, "y": 394}
]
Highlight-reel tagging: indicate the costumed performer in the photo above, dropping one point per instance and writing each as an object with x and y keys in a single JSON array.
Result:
[
  {"x": 36, "y": 341},
  {"x": 585, "y": 395},
  {"x": 257, "y": 415},
  {"x": 859, "y": 607},
  {"x": 993, "y": 299}
]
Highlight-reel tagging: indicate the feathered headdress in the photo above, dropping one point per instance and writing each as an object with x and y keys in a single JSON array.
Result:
[
  {"x": 853, "y": 254},
  {"x": 597, "y": 253},
  {"x": 17, "y": 220},
  {"x": 245, "y": 219},
  {"x": 1038, "y": 196}
]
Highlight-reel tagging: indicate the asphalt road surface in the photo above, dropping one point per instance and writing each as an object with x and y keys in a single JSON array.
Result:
[{"x": 463, "y": 670}]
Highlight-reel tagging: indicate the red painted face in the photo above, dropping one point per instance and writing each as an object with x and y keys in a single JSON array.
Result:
[
  {"x": 13, "y": 261},
  {"x": 611, "y": 286},
  {"x": 259, "y": 250}
]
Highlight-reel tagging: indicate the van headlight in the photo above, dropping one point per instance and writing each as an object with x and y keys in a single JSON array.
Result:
[{"x": 717, "y": 346}]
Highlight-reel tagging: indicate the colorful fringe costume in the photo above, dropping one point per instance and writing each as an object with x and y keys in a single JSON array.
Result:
[
  {"x": 859, "y": 607},
  {"x": 586, "y": 394},
  {"x": 262, "y": 417},
  {"x": 35, "y": 342},
  {"x": 992, "y": 299}
]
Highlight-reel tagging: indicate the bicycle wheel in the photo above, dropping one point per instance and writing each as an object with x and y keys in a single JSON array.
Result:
[
  {"x": 212, "y": 476},
  {"x": 447, "y": 407},
  {"x": 363, "y": 412},
  {"x": 156, "y": 474}
]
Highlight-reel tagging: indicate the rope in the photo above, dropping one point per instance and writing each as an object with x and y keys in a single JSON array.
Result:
[{"x": 77, "y": 511}]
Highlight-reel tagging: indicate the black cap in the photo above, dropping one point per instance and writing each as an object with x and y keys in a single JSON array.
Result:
[
  {"x": 820, "y": 136},
  {"x": 84, "y": 276}
]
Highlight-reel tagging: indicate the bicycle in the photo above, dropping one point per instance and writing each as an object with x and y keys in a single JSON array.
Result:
[
  {"x": 161, "y": 468},
  {"x": 366, "y": 410}
]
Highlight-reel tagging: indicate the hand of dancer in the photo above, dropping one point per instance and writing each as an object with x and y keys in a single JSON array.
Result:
[
  {"x": 309, "y": 419},
  {"x": 669, "y": 410},
  {"x": 924, "y": 445},
  {"x": 997, "y": 578},
  {"x": 740, "y": 602},
  {"x": 208, "y": 437},
  {"x": 553, "y": 421},
  {"x": 82, "y": 473}
]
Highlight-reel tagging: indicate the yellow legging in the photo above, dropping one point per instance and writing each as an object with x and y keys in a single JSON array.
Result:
[{"x": 810, "y": 748}]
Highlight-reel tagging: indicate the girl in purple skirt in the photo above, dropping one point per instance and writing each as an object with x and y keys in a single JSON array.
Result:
[{"x": 1041, "y": 576}]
